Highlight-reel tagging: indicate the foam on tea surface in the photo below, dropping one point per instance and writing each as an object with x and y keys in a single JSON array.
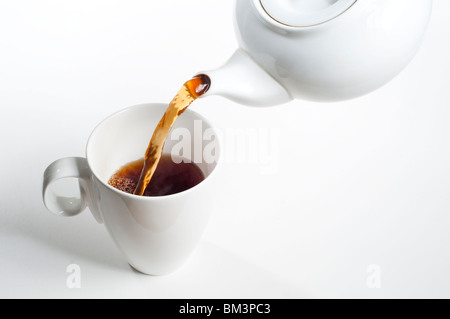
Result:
[{"x": 169, "y": 177}]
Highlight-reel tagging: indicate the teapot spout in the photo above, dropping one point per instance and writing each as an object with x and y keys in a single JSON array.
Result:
[{"x": 243, "y": 81}]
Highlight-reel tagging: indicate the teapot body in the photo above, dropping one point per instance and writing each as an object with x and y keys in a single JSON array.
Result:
[{"x": 350, "y": 55}]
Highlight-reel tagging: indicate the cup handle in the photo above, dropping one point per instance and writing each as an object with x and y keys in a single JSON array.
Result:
[{"x": 72, "y": 167}]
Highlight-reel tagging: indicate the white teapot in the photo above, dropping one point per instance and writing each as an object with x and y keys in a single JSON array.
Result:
[{"x": 320, "y": 50}]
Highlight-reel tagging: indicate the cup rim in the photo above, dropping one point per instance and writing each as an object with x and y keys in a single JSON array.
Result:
[{"x": 152, "y": 198}]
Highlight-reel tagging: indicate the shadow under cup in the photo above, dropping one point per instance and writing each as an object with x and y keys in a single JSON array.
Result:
[{"x": 156, "y": 234}]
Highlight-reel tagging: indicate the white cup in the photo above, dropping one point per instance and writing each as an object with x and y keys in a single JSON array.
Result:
[{"x": 156, "y": 234}]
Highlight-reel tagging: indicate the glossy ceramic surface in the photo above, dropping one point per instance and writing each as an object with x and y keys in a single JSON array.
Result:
[{"x": 155, "y": 234}]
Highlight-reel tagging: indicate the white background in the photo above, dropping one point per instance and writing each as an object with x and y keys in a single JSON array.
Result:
[{"x": 360, "y": 183}]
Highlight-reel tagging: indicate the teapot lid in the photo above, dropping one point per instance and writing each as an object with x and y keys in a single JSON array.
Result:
[{"x": 305, "y": 13}]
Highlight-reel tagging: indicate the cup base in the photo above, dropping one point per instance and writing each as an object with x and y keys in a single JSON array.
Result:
[
  {"x": 137, "y": 270},
  {"x": 141, "y": 272}
]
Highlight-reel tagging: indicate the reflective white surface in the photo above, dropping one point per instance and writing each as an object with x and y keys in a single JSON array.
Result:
[{"x": 359, "y": 183}]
